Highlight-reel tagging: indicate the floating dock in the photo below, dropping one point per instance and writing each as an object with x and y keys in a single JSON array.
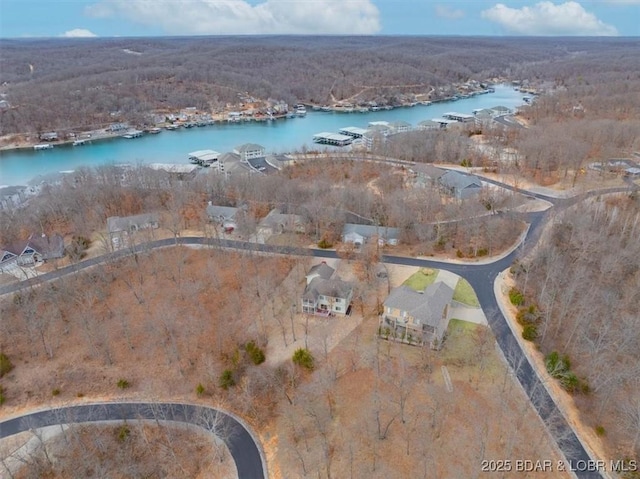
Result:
[
  {"x": 133, "y": 134},
  {"x": 352, "y": 131},
  {"x": 335, "y": 139},
  {"x": 452, "y": 115},
  {"x": 444, "y": 122},
  {"x": 204, "y": 157}
]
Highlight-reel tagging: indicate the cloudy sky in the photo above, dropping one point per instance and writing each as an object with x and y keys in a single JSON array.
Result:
[{"x": 109, "y": 18}]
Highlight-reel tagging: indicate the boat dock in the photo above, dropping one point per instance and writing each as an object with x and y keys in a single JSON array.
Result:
[
  {"x": 463, "y": 117},
  {"x": 352, "y": 131},
  {"x": 133, "y": 134},
  {"x": 43, "y": 146},
  {"x": 335, "y": 139},
  {"x": 444, "y": 122},
  {"x": 204, "y": 157}
]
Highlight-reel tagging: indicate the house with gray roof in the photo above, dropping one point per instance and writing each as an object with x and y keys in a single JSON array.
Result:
[
  {"x": 425, "y": 174},
  {"x": 277, "y": 222},
  {"x": 400, "y": 126},
  {"x": 420, "y": 317},
  {"x": 326, "y": 294},
  {"x": 250, "y": 151},
  {"x": 460, "y": 185},
  {"x": 120, "y": 228},
  {"x": 359, "y": 234},
  {"x": 428, "y": 125},
  {"x": 30, "y": 252},
  {"x": 224, "y": 216}
]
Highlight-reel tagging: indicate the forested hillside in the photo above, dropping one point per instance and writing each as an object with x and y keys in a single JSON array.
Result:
[
  {"x": 61, "y": 83},
  {"x": 582, "y": 291}
]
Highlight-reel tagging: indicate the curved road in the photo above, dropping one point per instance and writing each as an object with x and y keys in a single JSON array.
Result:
[
  {"x": 480, "y": 276},
  {"x": 236, "y": 436}
]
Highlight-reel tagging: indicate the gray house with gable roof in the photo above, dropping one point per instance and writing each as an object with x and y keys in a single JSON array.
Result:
[
  {"x": 324, "y": 294},
  {"x": 460, "y": 185},
  {"x": 419, "y": 317}
]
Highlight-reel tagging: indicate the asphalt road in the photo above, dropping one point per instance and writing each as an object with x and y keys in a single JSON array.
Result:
[{"x": 243, "y": 448}]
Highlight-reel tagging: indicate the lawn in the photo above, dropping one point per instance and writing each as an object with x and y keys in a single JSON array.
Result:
[
  {"x": 465, "y": 294},
  {"x": 421, "y": 279}
]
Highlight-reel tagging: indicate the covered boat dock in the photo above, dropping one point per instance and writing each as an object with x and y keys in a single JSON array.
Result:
[
  {"x": 334, "y": 139},
  {"x": 204, "y": 157}
]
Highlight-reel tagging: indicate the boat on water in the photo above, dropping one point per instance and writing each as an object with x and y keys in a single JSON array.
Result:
[
  {"x": 43, "y": 146},
  {"x": 155, "y": 131},
  {"x": 80, "y": 142},
  {"x": 301, "y": 110},
  {"x": 171, "y": 127}
]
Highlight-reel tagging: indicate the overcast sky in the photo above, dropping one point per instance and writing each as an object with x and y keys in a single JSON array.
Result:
[{"x": 109, "y": 18}]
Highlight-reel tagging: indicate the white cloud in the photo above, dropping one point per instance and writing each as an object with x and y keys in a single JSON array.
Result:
[
  {"x": 624, "y": 2},
  {"x": 547, "y": 18},
  {"x": 449, "y": 13},
  {"x": 79, "y": 33},
  {"x": 228, "y": 17}
]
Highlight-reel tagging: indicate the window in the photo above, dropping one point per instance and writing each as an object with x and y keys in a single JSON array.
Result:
[{"x": 337, "y": 308}]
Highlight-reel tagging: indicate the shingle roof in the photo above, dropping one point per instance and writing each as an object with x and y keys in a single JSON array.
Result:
[
  {"x": 323, "y": 270},
  {"x": 428, "y": 170},
  {"x": 118, "y": 223},
  {"x": 426, "y": 307},
  {"x": 335, "y": 288},
  {"x": 454, "y": 179},
  {"x": 249, "y": 147},
  {"x": 367, "y": 231},
  {"x": 226, "y": 212},
  {"x": 48, "y": 246}
]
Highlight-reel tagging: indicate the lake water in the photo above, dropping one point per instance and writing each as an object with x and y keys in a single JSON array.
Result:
[{"x": 280, "y": 136}]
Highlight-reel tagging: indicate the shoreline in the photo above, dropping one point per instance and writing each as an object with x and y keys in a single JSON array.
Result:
[{"x": 102, "y": 134}]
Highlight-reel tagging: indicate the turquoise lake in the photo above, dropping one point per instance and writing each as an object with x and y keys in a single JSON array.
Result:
[{"x": 280, "y": 136}]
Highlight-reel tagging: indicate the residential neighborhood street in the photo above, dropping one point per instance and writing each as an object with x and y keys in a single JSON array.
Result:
[{"x": 245, "y": 451}]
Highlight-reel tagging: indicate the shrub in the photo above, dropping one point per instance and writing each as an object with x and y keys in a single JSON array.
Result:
[
  {"x": 530, "y": 332},
  {"x": 80, "y": 395},
  {"x": 226, "y": 379},
  {"x": 55, "y": 392},
  {"x": 570, "y": 382},
  {"x": 324, "y": 244},
  {"x": 255, "y": 353},
  {"x": 482, "y": 252},
  {"x": 200, "y": 389},
  {"x": 123, "y": 433},
  {"x": 516, "y": 297},
  {"x": 303, "y": 358},
  {"x": 600, "y": 431},
  {"x": 5, "y": 364},
  {"x": 2, "y": 396},
  {"x": 123, "y": 383},
  {"x": 459, "y": 254}
]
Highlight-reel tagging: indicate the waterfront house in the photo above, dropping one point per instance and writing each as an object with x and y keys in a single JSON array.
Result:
[
  {"x": 428, "y": 125},
  {"x": 358, "y": 235},
  {"x": 419, "y": 317},
  {"x": 501, "y": 110},
  {"x": 324, "y": 293},
  {"x": 49, "y": 136},
  {"x": 33, "y": 251},
  {"x": 400, "y": 127},
  {"x": 459, "y": 185},
  {"x": 250, "y": 151}
]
